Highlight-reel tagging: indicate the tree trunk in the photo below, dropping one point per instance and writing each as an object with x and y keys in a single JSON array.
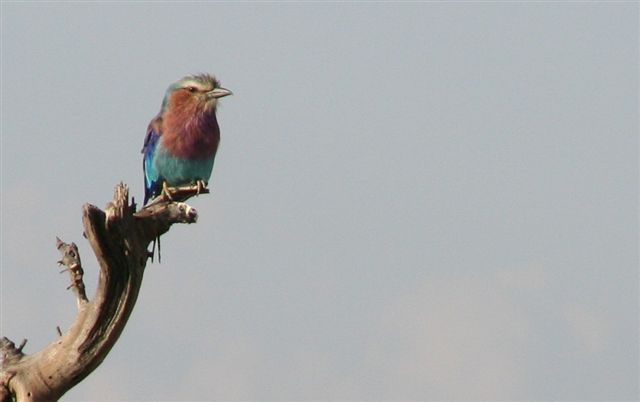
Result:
[{"x": 120, "y": 238}]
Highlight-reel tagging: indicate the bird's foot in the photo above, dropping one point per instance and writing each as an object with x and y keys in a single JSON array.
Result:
[
  {"x": 201, "y": 185},
  {"x": 166, "y": 193}
]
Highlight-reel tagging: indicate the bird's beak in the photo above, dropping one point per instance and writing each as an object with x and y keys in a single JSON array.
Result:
[{"x": 219, "y": 93}]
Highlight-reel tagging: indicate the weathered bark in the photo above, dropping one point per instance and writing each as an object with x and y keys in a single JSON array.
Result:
[{"x": 120, "y": 238}]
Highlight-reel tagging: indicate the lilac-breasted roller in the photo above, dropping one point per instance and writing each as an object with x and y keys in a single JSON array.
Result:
[{"x": 182, "y": 140}]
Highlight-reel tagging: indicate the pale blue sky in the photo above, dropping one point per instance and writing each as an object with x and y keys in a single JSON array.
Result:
[{"x": 428, "y": 201}]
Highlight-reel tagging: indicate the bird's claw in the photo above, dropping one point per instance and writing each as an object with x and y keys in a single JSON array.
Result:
[
  {"x": 166, "y": 193},
  {"x": 201, "y": 185}
]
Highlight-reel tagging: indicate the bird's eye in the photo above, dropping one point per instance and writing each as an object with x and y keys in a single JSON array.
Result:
[{"x": 191, "y": 89}]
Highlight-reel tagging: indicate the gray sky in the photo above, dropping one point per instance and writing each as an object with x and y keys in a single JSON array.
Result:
[{"x": 411, "y": 201}]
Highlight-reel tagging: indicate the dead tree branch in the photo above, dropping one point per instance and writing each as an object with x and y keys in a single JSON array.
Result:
[{"x": 119, "y": 237}]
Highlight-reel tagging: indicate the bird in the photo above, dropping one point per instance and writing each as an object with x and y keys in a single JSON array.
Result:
[{"x": 181, "y": 141}]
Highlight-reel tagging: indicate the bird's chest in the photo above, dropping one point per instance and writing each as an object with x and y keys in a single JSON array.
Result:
[{"x": 186, "y": 142}]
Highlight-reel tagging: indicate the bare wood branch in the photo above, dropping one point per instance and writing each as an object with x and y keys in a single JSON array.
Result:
[
  {"x": 71, "y": 259},
  {"x": 119, "y": 237}
]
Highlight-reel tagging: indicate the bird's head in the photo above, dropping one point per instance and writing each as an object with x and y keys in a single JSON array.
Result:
[{"x": 201, "y": 91}]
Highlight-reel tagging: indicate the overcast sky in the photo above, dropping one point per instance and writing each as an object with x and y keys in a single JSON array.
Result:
[{"x": 428, "y": 201}]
